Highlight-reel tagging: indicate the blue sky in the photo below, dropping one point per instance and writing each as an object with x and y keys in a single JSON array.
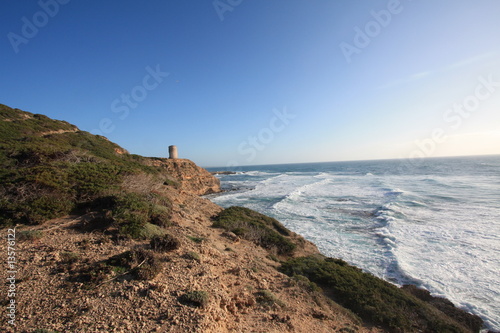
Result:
[{"x": 239, "y": 82}]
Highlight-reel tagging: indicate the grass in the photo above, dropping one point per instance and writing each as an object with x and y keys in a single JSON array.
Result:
[
  {"x": 369, "y": 297},
  {"x": 258, "y": 228}
]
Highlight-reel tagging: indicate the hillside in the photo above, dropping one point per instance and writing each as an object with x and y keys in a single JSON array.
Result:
[{"x": 108, "y": 241}]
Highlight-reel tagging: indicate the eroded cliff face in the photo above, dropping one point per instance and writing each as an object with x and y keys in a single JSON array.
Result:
[{"x": 189, "y": 177}]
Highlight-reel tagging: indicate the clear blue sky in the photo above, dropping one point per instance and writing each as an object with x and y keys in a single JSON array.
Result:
[{"x": 261, "y": 81}]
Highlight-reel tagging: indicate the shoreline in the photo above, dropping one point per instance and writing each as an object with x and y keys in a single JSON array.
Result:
[{"x": 419, "y": 290}]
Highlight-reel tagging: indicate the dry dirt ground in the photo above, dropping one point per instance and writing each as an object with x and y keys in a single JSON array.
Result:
[{"x": 233, "y": 272}]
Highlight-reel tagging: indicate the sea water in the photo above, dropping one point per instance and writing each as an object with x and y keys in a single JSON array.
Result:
[{"x": 433, "y": 222}]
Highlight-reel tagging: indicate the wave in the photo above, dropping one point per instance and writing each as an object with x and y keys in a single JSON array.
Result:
[{"x": 421, "y": 229}]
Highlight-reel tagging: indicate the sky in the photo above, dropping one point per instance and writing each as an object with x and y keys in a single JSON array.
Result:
[{"x": 240, "y": 82}]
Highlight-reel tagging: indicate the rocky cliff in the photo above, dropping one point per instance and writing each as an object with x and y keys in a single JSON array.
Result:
[{"x": 189, "y": 177}]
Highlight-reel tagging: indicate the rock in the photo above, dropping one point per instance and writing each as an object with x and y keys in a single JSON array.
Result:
[{"x": 190, "y": 177}]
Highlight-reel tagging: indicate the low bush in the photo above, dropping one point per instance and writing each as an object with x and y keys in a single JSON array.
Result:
[
  {"x": 29, "y": 235},
  {"x": 262, "y": 230},
  {"x": 192, "y": 256},
  {"x": 144, "y": 264},
  {"x": 268, "y": 299},
  {"x": 371, "y": 298},
  {"x": 196, "y": 298},
  {"x": 164, "y": 243}
]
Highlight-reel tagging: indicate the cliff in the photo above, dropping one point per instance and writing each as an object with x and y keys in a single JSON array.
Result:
[
  {"x": 107, "y": 241},
  {"x": 190, "y": 177}
]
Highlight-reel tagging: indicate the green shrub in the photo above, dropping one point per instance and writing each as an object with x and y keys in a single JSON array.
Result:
[
  {"x": 196, "y": 298},
  {"x": 371, "y": 298},
  {"x": 131, "y": 212},
  {"x": 46, "y": 207},
  {"x": 262, "y": 230},
  {"x": 303, "y": 282}
]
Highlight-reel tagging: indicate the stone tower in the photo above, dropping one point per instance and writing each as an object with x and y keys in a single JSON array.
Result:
[{"x": 172, "y": 152}]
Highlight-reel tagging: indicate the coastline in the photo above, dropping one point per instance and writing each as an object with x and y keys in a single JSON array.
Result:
[
  {"x": 256, "y": 197},
  {"x": 115, "y": 242}
]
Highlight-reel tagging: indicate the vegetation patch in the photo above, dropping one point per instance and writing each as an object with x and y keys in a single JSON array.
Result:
[
  {"x": 133, "y": 214},
  {"x": 196, "y": 298},
  {"x": 143, "y": 264},
  {"x": 69, "y": 257},
  {"x": 49, "y": 168},
  {"x": 164, "y": 243},
  {"x": 373, "y": 299},
  {"x": 139, "y": 264},
  {"x": 192, "y": 256},
  {"x": 30, "y": 235},
  {"x": 268, "y": 299},
  {"x": 258, "y": 228},
  {"x": 197, "y": 240}
]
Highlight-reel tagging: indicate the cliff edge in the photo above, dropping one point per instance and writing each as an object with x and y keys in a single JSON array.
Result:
[{"x": 190, "y": 177}]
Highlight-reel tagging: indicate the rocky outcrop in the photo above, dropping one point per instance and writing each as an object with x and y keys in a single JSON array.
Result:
[{"x": 189, "y": 177}]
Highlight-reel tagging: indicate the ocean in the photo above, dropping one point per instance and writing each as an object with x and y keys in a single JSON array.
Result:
[{"x": 433, "y": 222}]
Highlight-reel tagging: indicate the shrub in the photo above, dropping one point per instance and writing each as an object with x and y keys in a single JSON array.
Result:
[
  {"x": 46, "y": 207},
  {"x": 164, "y": 243},
  {"x": 267, "y": 298},
  {"x": 196, "y": 239},
  {"x": 371, "y": 298},
  {"x": 144, "y": 264},
  {"x": 29, "y": 235},
  {"x": 69, "y": 257},
  {"x": 131, "y": 213},
  {"x": 192, "y": 256},
  {"x": 262, "y": 230},
  {"x": 197, "y": 298}
]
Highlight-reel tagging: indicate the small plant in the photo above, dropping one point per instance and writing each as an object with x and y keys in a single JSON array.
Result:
[
  {"x": 197, "y": 298},
  {"x": 267, "y": 298},
  {"x": 196, "y": 239},
  {"x": 164, "y": 243},
  {"x": 69, "y": 257},
  {"x": 29, "y": 235},
  {"x": 192, "y": 256}
]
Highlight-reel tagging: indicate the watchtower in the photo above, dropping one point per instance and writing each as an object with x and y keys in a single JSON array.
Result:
[{"x": 172, "y": 152}]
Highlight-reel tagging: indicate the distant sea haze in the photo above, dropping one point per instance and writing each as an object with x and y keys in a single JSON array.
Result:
[{"x": 435, "y": 224}]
